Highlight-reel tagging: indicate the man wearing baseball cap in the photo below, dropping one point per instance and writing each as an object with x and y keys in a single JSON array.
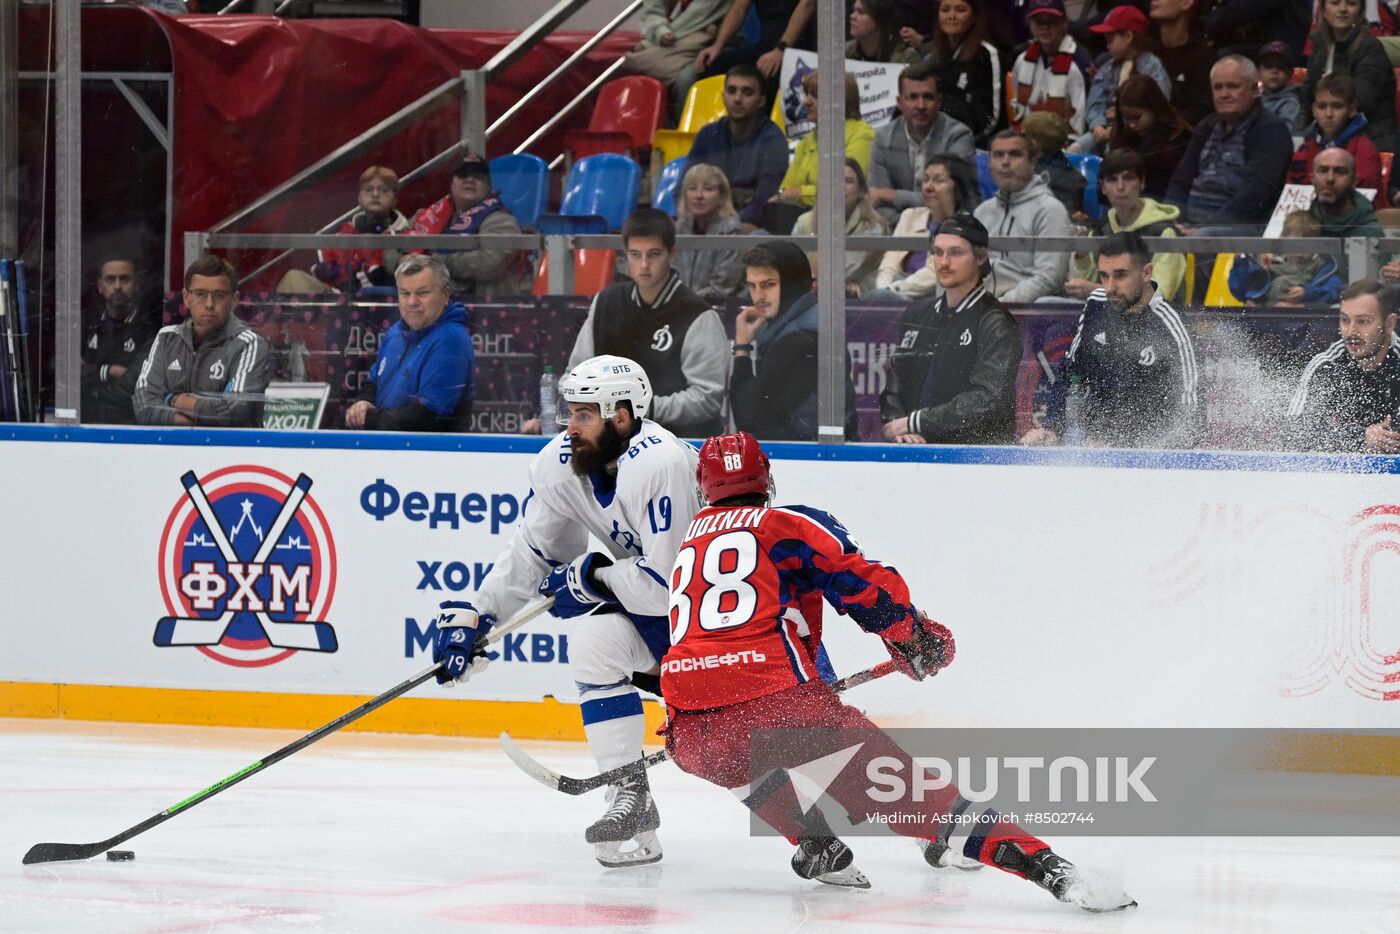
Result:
[
  {"x": 1053, "y": 72},
  {"x": 1125, "y": 29},
  {"x": 472, "y": 209},
  {"x": 952, "y": 376}
]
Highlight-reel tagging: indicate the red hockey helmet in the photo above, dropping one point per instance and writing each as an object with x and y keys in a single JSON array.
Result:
[{"x": 732, "y": 465}]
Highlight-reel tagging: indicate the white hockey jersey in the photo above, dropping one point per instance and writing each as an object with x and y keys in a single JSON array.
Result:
[{"x": 641, "y": 522}]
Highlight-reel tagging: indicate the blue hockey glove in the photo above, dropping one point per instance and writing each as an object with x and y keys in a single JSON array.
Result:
[
  {"x": 574, "y": 588},
  {"x": 460, "y": 643}
]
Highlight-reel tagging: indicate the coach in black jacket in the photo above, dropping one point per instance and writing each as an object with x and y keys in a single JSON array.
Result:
[
  {"x": 952, "y": 377},
  {"x": 1348, "y": 398}
]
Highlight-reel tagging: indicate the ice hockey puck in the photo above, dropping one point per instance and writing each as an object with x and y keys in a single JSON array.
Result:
[{"x": 120, "y": 856}]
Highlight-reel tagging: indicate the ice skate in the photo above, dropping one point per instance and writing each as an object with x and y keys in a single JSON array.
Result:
[
  {"x": 1062, "y": 879},
  {"x": 828, "y": 860},
  {"x": 940, "y": 855},
  {"x": 630, "y": 818}
]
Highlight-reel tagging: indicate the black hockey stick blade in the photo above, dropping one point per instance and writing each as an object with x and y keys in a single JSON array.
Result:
[
  {"x": 577, "y": 786},
  {"x": 56, "y": 852}
]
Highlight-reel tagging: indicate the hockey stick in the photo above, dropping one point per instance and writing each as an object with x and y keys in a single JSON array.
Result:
[
  {"x": 54, "y": 852},
  {"x": 577, "y": 786},
  {"x": 310, "y": 636}
]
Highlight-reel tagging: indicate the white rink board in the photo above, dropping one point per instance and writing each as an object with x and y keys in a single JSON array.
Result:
[{"x": 1220, "y": 591}]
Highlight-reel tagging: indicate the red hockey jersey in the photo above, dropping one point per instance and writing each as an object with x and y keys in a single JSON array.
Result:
[{"x": 746, "y": 602}]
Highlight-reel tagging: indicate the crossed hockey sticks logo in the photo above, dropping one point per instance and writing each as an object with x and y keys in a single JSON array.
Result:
[{"x": 312, "y": 636}]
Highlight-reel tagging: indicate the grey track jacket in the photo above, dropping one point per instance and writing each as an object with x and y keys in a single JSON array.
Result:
[
  {"x": 229, "y": 372},
  {"x": 1034, "y": 211}
]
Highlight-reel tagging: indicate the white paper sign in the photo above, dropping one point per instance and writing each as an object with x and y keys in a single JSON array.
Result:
[
  {"x": 1297, "y": 198},
  {"x": 878, "y": 82}
]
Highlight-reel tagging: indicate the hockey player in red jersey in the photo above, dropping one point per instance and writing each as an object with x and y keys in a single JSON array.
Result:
[{"x": 745, "y": 613}]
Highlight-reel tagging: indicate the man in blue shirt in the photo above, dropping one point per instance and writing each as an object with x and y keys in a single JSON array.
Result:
[
  {"x": 745, "y": 144},
  {"x": 423, "y": 377}
]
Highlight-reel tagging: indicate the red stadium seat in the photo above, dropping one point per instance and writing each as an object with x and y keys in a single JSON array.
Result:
[
  {"x": 1300, "y": 75},
  {"x": 626, "y": 114},
  {"x": 594, "y": 271}
]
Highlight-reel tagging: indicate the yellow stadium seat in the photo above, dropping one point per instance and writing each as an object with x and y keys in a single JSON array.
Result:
[
  {"x": 1218, "y": 291},
  {"x": 672, "y": 144},
  {"x": 704, "y": 102}
]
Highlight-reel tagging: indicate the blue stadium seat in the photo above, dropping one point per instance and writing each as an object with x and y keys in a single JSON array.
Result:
[
  {"x": 599, "y": 193},
  {"x": 522, "y": 181},
  {"x": 1087, "y": 165},
  {"x": 664, "y": 198},
  {"x": 984, "y": 176}
]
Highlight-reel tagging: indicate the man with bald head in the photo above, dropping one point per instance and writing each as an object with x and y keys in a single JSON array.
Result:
[
  {"x": 1338, "y": 206},
  {"x": 1234, "y": 169}
]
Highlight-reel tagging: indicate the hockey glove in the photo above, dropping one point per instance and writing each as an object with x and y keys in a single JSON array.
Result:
[
  {"x": 460, "y": 643},
  {"x": 928, "y": 650},
  {"x": 575, "y": 589}
]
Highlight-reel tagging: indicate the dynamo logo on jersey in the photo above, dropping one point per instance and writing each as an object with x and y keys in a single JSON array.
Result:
[{"x": 247, "y": 568}]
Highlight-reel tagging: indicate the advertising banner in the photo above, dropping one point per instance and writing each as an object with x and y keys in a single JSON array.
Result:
[{"x": 1084, "y": 588}]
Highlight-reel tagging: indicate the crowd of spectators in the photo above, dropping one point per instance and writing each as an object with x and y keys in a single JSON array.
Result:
[{"x": 1196, "y": 115}]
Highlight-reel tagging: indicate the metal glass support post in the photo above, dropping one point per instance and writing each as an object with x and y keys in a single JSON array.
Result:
[
  {"x": 474, "y": 111},
  {"x": 9, "y": 128},
  {"x": 831, "y": 221},
  {"x": 561, "y": 265},
  {"x": 68, "y": 219},
  {"x": 1361, "y": 258}
]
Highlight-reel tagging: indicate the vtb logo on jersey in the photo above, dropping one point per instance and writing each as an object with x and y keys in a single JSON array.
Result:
[
  {"x": 247, "y": 568},
  {"x": 662, "y": 340}
]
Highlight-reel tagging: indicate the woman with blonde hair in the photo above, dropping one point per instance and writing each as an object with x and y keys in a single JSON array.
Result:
[
  {"x": 800, "y": 182},
  {"x": 862, "y": 220},
  {"x": 706, "y": 207}
]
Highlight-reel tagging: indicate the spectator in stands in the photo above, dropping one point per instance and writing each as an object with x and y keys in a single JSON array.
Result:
[
  {"x": 1120, "y": 178},
  {"x": 1346, "y": 399},
  {"x": 861, "y": 221},
  {"x": 1132, "y": 359},
  {"x": 1337, "y": 124},
  {"x": 782, "y": 24},
  {"x": 744, "y": 144},
  {"x": 352, "y": 270},
  {"x": 1291, "y": 278},
  {"x": 1049, "y": 132},
  {"x": 1179, "y": 40},
  {"x": 952, "y": 376},
  {"x": 1147, "y": 123},
  {"x": 800, "y": 182},
  {"x": 916, "y": 20},
  {"x": 706, "y": 209},
  {"x": 1234, "y": 169},
  {"x": 213, "y": 369},
  {"x": 775, "y": 396},
  {"x": 471, "y": 209},
  {"x": 424, "y": 376},
  {"x": 117, "y": 337},
  {"x": 1053, "y": 72},
  {"x": 1125, "y": 29},
  {"x": 875, "y": 35},
  {"x": 1239, "y": 27},
  {"x": 968, "y": 68},
  {"x": 905, "y": 274},
  {"x": 1343, "y": 45},
  {"x": 662, "y": 324},
  {"x": 1023, "y": 207},
  {"x": 1338, "y": 206},
  {"x": 1281, "y": 96},
  {"x": 904, "y": 145},
  {"x": 672, "y": 34}
]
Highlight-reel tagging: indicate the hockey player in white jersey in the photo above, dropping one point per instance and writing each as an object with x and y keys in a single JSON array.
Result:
[{"x": 630, "y": 483}]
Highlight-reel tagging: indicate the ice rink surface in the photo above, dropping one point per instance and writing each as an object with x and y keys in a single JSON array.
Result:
[{"x": 376, "y": 833}]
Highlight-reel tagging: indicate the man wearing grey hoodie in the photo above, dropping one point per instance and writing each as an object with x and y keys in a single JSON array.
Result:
[{"x": 1023, "y": 206}]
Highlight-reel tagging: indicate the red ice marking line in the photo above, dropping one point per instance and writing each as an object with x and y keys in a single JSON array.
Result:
[
  {"x": 561, "y": 914},
  {"x": 243, "y": 917}
]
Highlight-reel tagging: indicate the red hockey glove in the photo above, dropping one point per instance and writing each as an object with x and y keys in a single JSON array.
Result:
[{"x": 930, "y": 649}]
